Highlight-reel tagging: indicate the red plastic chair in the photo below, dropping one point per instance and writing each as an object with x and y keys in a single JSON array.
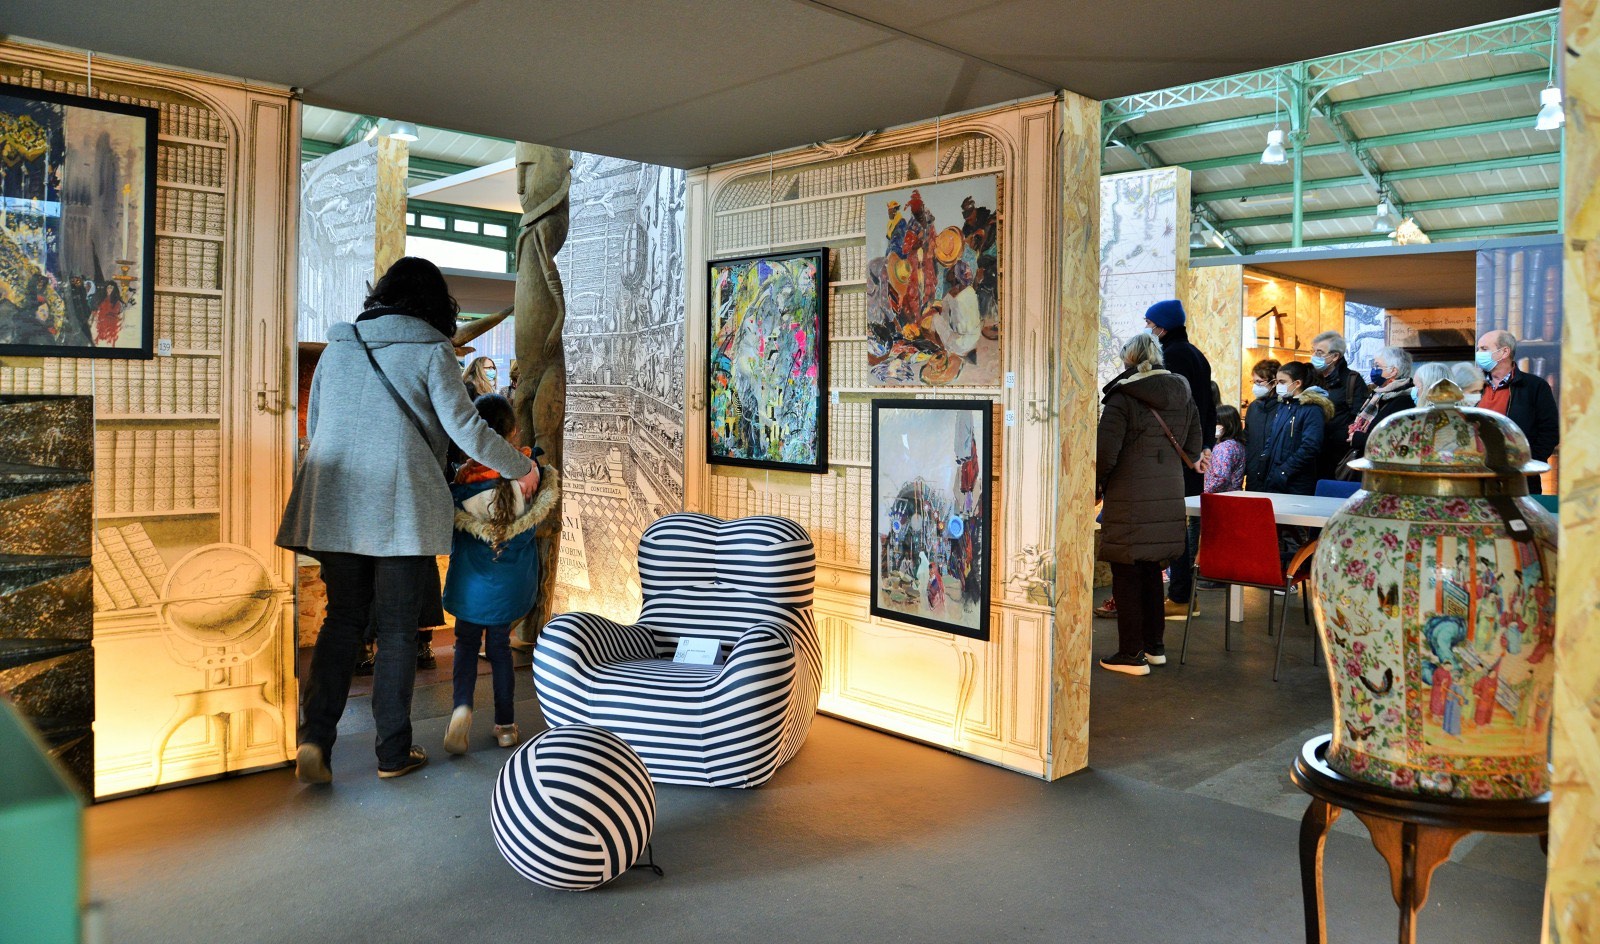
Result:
[{"x": 1239, "y": 545}]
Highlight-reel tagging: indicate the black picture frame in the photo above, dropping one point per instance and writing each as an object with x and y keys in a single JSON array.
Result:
[
  {"x": 52, "y": 302},
  {"x": 724, "y": 444},
  {"x": 912, "y": 436}
]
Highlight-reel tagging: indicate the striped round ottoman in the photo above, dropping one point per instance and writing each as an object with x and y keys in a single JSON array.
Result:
[{"x": 574, "y": 808}]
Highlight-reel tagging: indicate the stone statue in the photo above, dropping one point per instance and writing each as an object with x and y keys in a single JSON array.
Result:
[{"x": 544, "y": 178}]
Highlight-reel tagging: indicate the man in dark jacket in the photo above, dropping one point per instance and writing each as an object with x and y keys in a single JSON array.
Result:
[
  {"x": 1167, "y": 321},
  {"x": 1523, "y": 398},
  {"x": 1347, "y": 391}
]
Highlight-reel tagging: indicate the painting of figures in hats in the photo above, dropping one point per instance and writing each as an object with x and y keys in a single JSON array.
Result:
[
  {"x": 931, "y": 511},
  {"x": 77, "y": 225},
  {"x": 933, "y": 295}
]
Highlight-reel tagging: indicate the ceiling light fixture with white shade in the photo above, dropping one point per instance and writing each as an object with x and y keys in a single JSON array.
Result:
[
  {"x": 1551, "y": 114},
  {"x": 1197, "y": 235},
  {"x": 1384, "y": 223},
  {"x": 401, "y": 131},
  {"x": 1274, "y": 154}
]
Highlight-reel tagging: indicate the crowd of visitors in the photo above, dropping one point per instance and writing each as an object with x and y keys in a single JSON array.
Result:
[{"x": 1304, "y": 422}]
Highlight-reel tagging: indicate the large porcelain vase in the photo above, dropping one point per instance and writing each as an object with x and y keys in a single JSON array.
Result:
[{"x": 1434, "y": 591}]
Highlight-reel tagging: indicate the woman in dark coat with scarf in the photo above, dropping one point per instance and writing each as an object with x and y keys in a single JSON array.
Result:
[{"x": 1139, "y": 475}]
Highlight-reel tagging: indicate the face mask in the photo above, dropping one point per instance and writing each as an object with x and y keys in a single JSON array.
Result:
[
  {"x": 1484, "y": 360},
  {"x": 1259, "y": 390},
  {"x": 1219, "y": 434},
  {"x": 1376, "y": 376},
  {"x": 1471, "y": 399},
  {"x": 1319, "y": 362},
  {"x": 1414, "y": 395},
  {"x": 1283, "y": 390},
  {"x": 489, "y": 375}
]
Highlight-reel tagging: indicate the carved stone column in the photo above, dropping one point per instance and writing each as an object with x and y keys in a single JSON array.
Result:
[{"x": 544, "y": 177}]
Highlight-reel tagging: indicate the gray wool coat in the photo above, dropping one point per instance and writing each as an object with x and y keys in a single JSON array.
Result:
[
  {"x": 370, "y": 484},
  {"x": 1138, "y": 472}
]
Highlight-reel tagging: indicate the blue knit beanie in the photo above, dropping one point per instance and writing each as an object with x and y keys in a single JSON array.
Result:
[{"x": 1166, "y": 315}]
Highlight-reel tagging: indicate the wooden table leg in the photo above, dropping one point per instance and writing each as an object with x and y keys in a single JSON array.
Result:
[
  {"x": 1413, "y": 852},
  {"x": 1319, "y": 819}
]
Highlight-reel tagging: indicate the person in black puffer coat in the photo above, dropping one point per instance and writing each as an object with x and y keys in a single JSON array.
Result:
[
  {"x": 1139, "y": 474},
  {"x": 1168, "y": 322}
]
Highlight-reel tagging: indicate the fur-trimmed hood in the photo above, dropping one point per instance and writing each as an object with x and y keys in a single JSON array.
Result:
[
  {"x": 1318, "y": 400},
  {"x": 544, "y": 504}
]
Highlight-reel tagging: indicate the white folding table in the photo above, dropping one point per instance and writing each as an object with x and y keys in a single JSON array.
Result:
[{"x": 1306, "y": 511}]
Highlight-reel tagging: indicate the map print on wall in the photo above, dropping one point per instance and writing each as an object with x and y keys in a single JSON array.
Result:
[
  {"x": 622, "y": 268},
  {"x": 1138, "y": 256},
  {"x": 933, "y": 313},
  {"x": 338, "y": 237}
]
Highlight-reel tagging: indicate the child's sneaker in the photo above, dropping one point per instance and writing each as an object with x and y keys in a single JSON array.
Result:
[
  {"x": 459, "y": 734},
  {"x": 507, "y": 735}
]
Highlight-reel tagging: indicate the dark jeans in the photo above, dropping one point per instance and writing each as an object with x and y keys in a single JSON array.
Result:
[
  {"x": 1141, "y": 611},
  {"x": 358, "y": 587},
  {"x": 497, "y": 645},
  {"x": 1181, "y": 586}
]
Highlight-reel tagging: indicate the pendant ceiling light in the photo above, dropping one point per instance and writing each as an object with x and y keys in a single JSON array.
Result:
[
  {"x": 1197, "y": 236},
  {"x": 1384, "y": 223},
  {"x": 1274, "y": 153},
  {"x": 1551, "y": 114}
]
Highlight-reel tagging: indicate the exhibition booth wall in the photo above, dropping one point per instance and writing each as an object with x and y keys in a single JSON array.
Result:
[
  {"x": 1019, "y": 696},
  {"x": 193, "y": 605}
]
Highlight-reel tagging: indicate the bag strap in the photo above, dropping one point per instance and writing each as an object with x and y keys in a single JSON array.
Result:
[
  {"x": 416, "y": 421},
  {"x": 1172, "y": 439}
]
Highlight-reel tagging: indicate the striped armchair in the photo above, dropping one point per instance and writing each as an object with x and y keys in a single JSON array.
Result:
[{"x": 746, "y": 583}]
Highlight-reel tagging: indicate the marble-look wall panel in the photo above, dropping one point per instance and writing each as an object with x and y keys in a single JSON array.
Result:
[
  {"x": 338, "y": 237},
  {"x": 1077, "y": 418},
  {"x": 192, "y": 677},
  {"x": 389, "y": 240},
  {"x": 1573, "y": 908}
]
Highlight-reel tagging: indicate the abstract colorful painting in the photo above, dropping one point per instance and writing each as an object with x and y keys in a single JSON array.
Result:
[
  {"x": 77, "y": 225},
  {"x": 768, "y": 345},
  {"x": 931, "y": 506},
  {"x": 933, "y": 296}
]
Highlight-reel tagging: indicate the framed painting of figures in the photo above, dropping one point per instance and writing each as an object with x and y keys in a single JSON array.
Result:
[
  {"x": 931, "y": 506},
  {"x": 766, "y": 382},
  {"x": 77, "y": 225},
  {"x": 933, "y": 292}
]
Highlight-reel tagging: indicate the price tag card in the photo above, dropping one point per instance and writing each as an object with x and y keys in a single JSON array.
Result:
[{"x": 696, "y": 650}]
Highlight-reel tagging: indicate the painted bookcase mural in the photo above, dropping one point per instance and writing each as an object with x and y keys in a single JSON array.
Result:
[{"x": 192, "y": 603}]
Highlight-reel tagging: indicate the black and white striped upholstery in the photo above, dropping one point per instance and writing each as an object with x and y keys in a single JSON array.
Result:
[
  {"x": 746, "y": 583},
  {"x": 573, "y": 808}
]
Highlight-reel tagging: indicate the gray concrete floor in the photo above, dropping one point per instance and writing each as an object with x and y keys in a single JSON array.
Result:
[{"x": 1184, "y": 830}]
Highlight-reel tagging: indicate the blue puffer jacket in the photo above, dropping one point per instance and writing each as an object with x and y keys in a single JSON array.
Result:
[
  {"x": 1293, "y": 442},
  {"x": 489, "y": 589}
]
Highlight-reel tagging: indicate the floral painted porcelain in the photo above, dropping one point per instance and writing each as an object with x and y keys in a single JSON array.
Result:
[{"x": 1434, "y": 591}]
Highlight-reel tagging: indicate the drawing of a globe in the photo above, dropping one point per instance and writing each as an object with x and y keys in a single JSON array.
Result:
[{"x": 218, "y": 595}]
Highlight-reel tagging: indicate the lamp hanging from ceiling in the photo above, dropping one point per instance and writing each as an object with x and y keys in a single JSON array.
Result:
[
  {"x": 1197, "y": 236},
  {"x": 1274, "y": 154},
  {"x": 1551, "y": 114},
  {"x": 1384, "y": 224}
]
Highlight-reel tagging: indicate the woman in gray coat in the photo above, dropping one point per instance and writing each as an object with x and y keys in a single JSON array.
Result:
[
  {"x": 371, "y": 502},
  {"x": 1139, "y": 474}
]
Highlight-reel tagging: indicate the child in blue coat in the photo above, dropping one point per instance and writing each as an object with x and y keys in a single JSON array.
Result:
[{"x": 493, "y": 578}]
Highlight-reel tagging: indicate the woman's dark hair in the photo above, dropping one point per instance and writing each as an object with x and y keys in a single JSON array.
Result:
[
  {"x": 417, "y": 287},
  {"x": 1266, "y": 367},
  {"x": 496, "y": 411},
  {"x": 1298, "y": 372},
  {"x": 1228, "y": 419}
]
